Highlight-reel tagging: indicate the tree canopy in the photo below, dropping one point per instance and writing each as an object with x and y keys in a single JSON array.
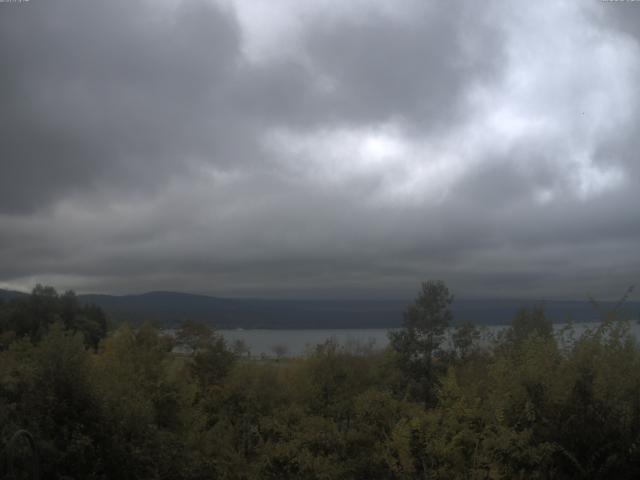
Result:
[
  {"x": 31, "y": 316},
  {"x": 530, "y": 403},
  {"x": 425, "y": 323}
]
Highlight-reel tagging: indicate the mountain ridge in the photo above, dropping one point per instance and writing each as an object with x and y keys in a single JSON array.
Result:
[{"x": 169, "y": 308}]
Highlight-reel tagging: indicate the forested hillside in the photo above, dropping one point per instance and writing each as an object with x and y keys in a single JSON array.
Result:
[
  {"x": 169, "y": 309},
  {"x": 122, "y": 405}
]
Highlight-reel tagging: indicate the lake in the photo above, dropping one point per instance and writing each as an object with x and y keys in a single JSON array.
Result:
[{"x": 296, "y": 342}]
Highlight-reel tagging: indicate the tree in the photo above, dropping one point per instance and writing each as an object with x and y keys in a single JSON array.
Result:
[
  {"x": 279, "y": 350},
  {"x": 211, "y": 364},
  {"x": 32, "y": 315},
  {"x": 464, "y": 338},
  {"x": 425, "y": 322},
  {"x": 527, "y": 323},
  {"x": 210, "y": 358},
  {"x": 193, "y": 336},
  {"x": 240, "y": 348}
]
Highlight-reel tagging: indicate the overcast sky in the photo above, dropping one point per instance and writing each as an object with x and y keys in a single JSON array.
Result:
[{"x": 321, "y": 148}]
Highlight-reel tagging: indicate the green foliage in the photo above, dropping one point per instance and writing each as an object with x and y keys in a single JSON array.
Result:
[
  {"x": 415, "y": 345},
  {"x": 33, "y": 315},
  {"x": 465, "y": 339},
  {"x": 49, "y": 386},
  {"x": 146, "y": 398},
  {"x": 533, "y": 405},
  {"x": 527, "y": 323},
  {"x": 210, "y": 359},
  {"x": 193, "y": 336}
]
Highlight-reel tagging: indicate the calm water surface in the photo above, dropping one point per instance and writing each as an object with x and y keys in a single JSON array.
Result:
[{"x": 298, "y": 342}]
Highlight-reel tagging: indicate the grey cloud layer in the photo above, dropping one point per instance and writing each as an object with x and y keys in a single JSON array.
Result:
[{"x": 143, "y": 148}]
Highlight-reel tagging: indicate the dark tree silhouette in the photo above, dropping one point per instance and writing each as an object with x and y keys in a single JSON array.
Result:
[{"x": 425, "y": 322}]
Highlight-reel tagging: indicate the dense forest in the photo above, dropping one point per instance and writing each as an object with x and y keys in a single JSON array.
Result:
[{"x": 121, "y": 403}]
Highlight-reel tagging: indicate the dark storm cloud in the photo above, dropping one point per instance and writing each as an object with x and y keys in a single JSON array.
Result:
[
  {"x": 625, "y": 16},
  {"x": 319, "y": 148},
  {"x": 102, "y": 94},
  {"x": 410, "y": 69}
]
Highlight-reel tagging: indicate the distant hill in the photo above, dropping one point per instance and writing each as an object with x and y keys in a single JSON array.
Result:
[
  {"x": 9, "y": 294},
  {"x": 170, "y": 308}
]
